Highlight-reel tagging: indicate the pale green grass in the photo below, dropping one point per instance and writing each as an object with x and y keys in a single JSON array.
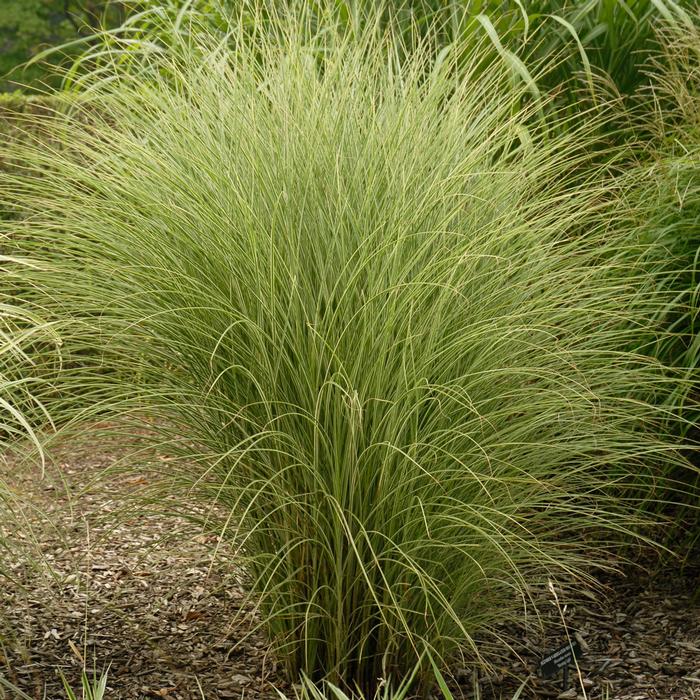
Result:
[
  {"x": 390, "y": 324},
  {"x": 94, "y": 688},
  {"x": 577, "y": 47}
]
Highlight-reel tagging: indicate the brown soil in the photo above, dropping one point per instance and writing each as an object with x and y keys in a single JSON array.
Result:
[
  {"x": 149, "y": 597},
  {"x": 640, "y": 638},
  {"x": 154, "y": 599}
]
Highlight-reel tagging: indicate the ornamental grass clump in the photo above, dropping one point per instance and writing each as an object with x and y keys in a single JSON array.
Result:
[
  {"x": 668, "y": 182},
  {"x": 384, "y": 317},
  {"x": 672, "y": 177}
]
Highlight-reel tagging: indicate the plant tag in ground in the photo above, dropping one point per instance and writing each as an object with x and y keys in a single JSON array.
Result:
[{"x": 559, "y": 659}]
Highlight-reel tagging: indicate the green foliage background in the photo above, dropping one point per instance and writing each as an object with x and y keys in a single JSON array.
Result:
[{"x": 30, "y": 26}]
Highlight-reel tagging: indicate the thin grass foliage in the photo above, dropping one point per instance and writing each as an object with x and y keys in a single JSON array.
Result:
[
  {"x": 668, "y": 177},
  {"x": 584, "y": 52},
  {"x": 396, "y": 328}
]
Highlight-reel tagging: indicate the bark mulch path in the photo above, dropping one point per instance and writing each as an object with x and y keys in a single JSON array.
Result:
[
  {"x": 152, "y": 598},
  {"x": 640, "y": 640},
  {"x": 147, "y": 596}
]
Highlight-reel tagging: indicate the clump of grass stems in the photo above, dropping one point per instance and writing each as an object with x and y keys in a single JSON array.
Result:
[
  {"x": 395, "y": 327},
  {"x": 91, "y": 688},
  {"x": 668, "y": 177},
  {"x": 308, "y": 690}
]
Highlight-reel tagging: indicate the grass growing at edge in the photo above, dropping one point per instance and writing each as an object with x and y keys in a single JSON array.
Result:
[
  {"x": 391, "y": 325},
  {"x": 668, "y": 177},
  {"x": 90, "y": 688}
]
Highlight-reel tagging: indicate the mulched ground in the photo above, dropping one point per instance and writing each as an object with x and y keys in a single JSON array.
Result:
[
  {"x": 155, "y": 600},
  {"x": 640, "y": 639}
]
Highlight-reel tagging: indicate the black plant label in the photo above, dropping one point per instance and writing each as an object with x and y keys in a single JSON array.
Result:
[{"x": 557, "y": 660}]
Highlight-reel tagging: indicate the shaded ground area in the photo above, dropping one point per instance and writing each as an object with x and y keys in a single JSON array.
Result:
[
  {"x": 153, "y": 598},
  {"x": 640, "y": 640}
]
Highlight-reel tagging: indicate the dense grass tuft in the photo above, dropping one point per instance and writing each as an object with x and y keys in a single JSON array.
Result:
[
  {"x": 397, "y": 330},
  {"x": 668, "y": 177}
]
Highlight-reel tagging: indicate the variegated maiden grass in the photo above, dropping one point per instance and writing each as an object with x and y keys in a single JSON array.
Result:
[{"x": 397, "y": 330}]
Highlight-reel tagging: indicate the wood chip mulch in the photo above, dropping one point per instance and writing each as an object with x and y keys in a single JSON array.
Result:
[
  {"x": 155, "y": 601},
  {"x": 151, "y": 598},
  {"x": 639, "y": 636}
]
